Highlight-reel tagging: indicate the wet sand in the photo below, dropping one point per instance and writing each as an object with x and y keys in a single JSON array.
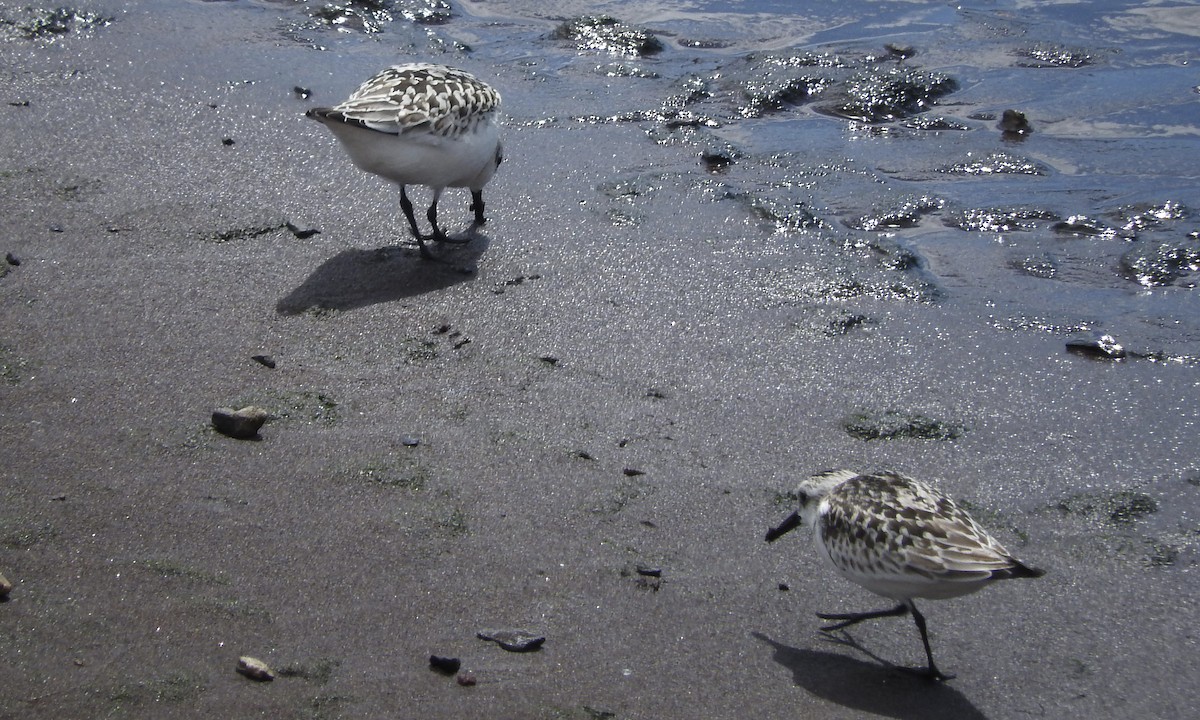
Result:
[{"x": 624, "y": 369}]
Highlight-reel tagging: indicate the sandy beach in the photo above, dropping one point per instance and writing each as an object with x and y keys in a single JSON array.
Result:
[{"x": 581, "y": 423}]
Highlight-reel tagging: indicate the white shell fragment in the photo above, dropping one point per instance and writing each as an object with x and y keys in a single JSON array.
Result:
[{"x": 255, "y": 669}]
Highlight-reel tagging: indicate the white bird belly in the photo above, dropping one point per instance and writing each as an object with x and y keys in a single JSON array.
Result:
[{"x": 418, "y": 158}]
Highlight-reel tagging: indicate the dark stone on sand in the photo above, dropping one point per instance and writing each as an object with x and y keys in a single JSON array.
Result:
[
  {"x": 255, "y": 669},
  {"x": 1120, "y": 507},
  {"x": 303, "y": 231},
  {"x": 43, "y": 23},
  {"x": 11, "y": 259},
  {"x": 1096, "y": 344},
  {"x": 410, "y": 441},
  {"x": 846, "y": 323},
  {"x": 241, "y": 424},
  {"x": 444, "y": 665},
  {"x": 267, "y": 361},
  {"x": 549, "y": 359},
  {"x": 465, "y": 679},
  {"x": 648, "y": 571},
  {"x": 514, "y": 640},
  {"x": 227, "y": 141},
  {"x": 302, "y": 93},
  {"x": 894, "y": 424},
  {"x": 633, "y": 472}
]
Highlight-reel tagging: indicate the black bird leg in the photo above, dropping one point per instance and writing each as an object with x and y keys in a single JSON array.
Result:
[
  {"x": 407, "y": 206},
  {"x": 931, "y": 672},
  {"x": 477, "y": 206},
  {"x": 438, "y": 235},
  {"x": 907, "y": 606},
  {"x": 854, "y": 618}
]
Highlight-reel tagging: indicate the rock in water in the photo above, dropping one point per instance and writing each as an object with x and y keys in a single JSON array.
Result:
[
  {"x": 255, "y": 669},
  {"x": 1014, "y": 124},
  {"x": 242, "y": 424},
  {"x": 1096, "y": 344}
]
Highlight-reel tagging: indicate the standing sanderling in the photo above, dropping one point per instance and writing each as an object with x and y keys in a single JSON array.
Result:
[
  {"x": 901, "y": 539},
  {"x": 422, "y": 124}
]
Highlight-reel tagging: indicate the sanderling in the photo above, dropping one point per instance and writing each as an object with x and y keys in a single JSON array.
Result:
[
  {"x": 901, "y": 539},
  {"x": 422, "y": 124}
]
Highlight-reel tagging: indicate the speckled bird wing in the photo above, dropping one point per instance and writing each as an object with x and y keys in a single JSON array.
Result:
[
  {"x": 420, "y": 98},
  {"x": 912, "y": 527}
]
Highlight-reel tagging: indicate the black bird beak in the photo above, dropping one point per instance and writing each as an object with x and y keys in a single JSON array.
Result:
[{"x": 789, "y": 524}]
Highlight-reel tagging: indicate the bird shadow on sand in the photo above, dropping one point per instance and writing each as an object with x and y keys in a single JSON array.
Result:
[
  {"x": 357, "y": 278},
  {"x": 870, "y": 686}
]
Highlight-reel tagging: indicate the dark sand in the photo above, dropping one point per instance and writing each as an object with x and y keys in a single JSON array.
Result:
[{"x": 591, "y": 398}]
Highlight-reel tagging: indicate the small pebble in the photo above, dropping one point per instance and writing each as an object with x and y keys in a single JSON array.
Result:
[
  {"x": 784, "y": 587},
  {"x": 227, "y": 141},
  {"x": 410, "y": 441},
  {"x": 302, "y": 231},
  {"x": 241, "y": 424},
  {"x": 633, "y": 472},
  {"x": 302, "y": 92},
  {"x": 255, "y": 669},
  {"x": 465, "y": 679},
  {"x": 5, "y": 587},
  {"x": 11, "y": 259},
  {"x": 514, "y": 640},
  {"x": 264, "y": 360},
  {"x": 444, "y": 665},
  {"x": 649, "y": 571}
]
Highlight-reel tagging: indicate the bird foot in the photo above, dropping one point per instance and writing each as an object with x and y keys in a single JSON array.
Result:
[
  {"x": 932, "y": 674},
  {"x": 451, "y": 240}
]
